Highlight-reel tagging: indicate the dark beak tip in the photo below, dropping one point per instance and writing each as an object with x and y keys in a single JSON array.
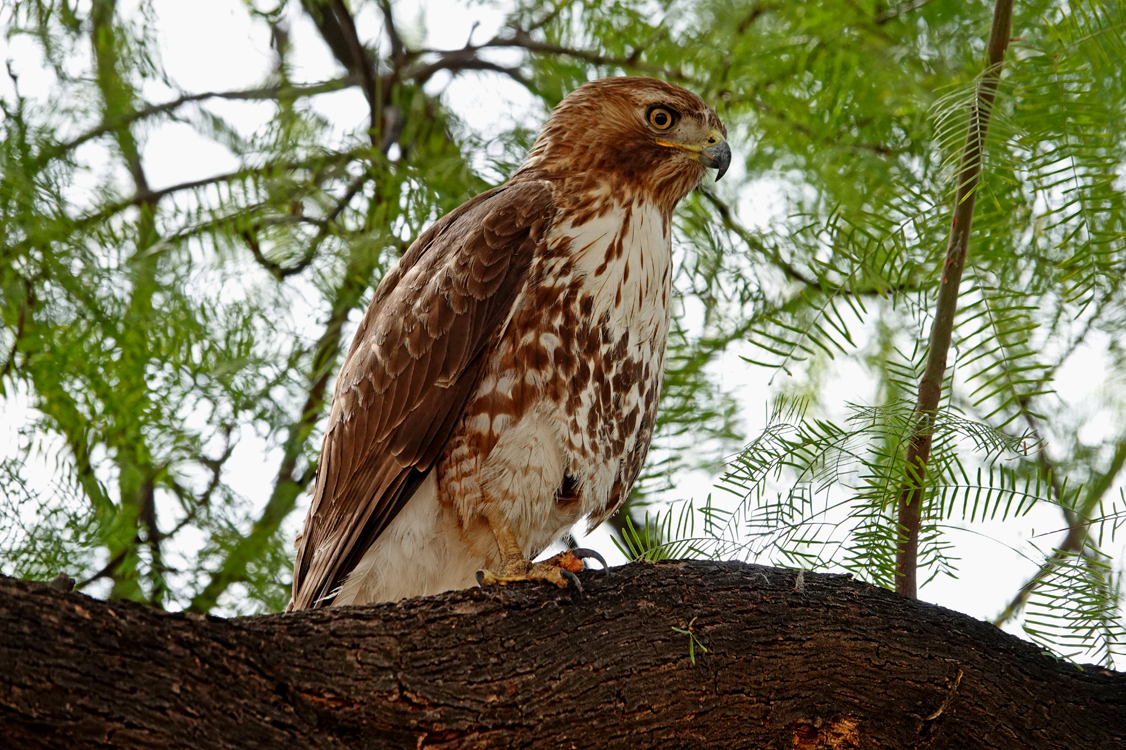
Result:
[{"x": 718, "y": 157}]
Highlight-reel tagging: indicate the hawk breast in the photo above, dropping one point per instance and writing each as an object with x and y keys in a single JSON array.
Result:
[{"x": 560, "y": 423}]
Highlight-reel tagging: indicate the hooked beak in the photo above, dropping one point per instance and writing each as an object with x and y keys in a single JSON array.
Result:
[{"x": 717, "y": 157}]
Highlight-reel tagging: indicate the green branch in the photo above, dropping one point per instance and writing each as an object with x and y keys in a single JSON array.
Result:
[
  {"x": 930, "y": 387},
  {"x": 126, "y": 438},
  {"x": 1078, "y": 532},
  {"x": 279, "y": 93}
]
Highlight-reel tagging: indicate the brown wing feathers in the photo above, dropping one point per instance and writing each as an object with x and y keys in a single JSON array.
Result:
[{"x": 412, "y": 366}]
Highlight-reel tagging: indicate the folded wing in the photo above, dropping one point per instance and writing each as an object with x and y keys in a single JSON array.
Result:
[{"x": 412, "y": 366}]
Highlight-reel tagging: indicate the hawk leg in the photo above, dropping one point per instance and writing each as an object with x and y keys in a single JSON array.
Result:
[{"x": 560, "y": 569}]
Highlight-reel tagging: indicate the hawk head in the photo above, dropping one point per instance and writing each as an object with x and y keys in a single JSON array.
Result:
[{"x": 637, "y": 135}]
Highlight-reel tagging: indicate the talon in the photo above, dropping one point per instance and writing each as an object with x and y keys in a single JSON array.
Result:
[
  {"x": 560, "y": 570},
  {"x": 574, "y": 579},
  {"x": 583, "y": 554}
]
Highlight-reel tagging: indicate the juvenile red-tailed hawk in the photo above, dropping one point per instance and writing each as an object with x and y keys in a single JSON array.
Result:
[{"x": 504, "y": 382}]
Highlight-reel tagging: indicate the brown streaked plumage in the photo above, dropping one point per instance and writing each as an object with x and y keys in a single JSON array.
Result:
[{"x": 504, "y": 381}]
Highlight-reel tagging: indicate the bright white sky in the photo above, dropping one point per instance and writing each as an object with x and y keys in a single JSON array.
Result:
[{"x": 210, "y": 45}]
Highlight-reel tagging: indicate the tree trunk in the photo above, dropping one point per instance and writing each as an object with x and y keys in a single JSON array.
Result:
[{"x": 782, "y": 660}]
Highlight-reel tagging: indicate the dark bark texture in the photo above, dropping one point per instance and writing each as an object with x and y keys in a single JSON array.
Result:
[{"x": 791, "y": 661}]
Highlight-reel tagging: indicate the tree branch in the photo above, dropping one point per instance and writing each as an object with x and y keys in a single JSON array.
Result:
[
  {"x": 108, "y": 568},
  {"x": 126, "y": 437},
  {"x": 393, "y": 38},
  {"x": 791, "y": 272},
  {"x": 337, "y": 27},
  {"x": 192, "y": 504},
  {"x": 521, "y": 39},
  {"x": 820, "y": 662},
  {"x": 899, "y": 10},
  {"x": 25, "y": 306},
  {"x": 456, "y": 61},
  {"x": 467, "y": 58},
  {"x": 771, "y": 254},
  {"x": 930, "y": 387},
  {"x": 318, "y": 161},
  {"x": 1078, "y": 521},
  {"x": 289, "y": 483},
  {"x": 283, "y": 92}
]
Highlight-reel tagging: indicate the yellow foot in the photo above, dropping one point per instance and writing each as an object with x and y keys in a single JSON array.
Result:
[{"x": 560, "y": 569}]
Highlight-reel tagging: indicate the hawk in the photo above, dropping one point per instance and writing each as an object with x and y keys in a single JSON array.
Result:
[{"x": 503, "y": 384}]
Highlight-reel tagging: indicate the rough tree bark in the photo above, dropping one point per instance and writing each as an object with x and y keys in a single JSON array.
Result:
[{"x": 791, "y": 661}]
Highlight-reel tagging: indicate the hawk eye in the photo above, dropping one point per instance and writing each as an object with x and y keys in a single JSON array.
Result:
[{"x": 661, "y": 118}]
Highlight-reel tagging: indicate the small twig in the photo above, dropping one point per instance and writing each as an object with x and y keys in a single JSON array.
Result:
[
  {"x": 191, "y": 503},
  {"x": 547, "y": 18},
  {"x": 392, "y": 33},
  {"x": 14, "y": 78},
  {"x": 878, "y": 149},
  {"x": 467, "y": 59},
  {"x": 109, "y": 566},
  {"x": 279, "y": 93},
  {"x": 752, "y": 15},
  {"x": 787, "y": 268},
  {"x": 281, "y": 272},
  {"x": 102, "y": 214},
  {"x": 892, "y": 13},
  {"x": 456, "y": 61},
  {"x": 731, "y": 224},
  {"x": 1045, "y": 461},
  {"x": 153, "y": 537},
  {"x": 1078, "y": 531},
  {"x": 948, "y": 700},
  {"x": 523, "y": 40}
]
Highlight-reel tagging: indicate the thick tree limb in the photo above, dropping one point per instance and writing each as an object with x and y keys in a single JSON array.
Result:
[{"x": 792, "y": 661}]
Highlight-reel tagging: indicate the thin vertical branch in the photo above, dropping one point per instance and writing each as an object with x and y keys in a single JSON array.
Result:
[
  {"x": 930, "y": 387},
  {"x": 126, "y": 435}
]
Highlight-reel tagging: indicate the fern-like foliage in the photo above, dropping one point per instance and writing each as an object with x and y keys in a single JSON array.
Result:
[
  {"x": 855, "y": 273},
  {"x": 816, "y": 493},
  {"x": 1074, "y": 609}
]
